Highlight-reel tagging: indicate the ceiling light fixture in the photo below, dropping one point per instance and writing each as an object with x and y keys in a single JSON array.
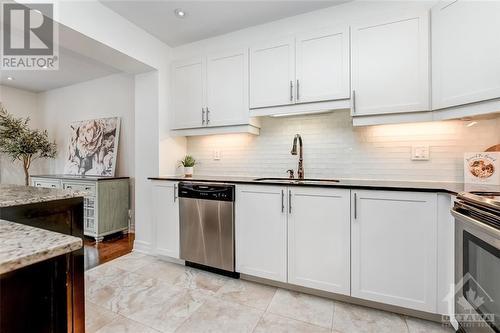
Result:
[
  {"x": 180, "y": 13},
  {"x": 10, "y": 78}
]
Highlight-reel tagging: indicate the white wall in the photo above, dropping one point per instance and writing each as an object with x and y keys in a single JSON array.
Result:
[
  {"x": 96, "y": 21},
  {"x": 349, "y": 13},
  {"x": 24, "y": 104},
  {"x": 111, "y": 96},
  {"x": 333, "y": 148}
]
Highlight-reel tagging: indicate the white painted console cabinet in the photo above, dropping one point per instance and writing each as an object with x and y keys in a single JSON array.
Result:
[
  {"x": 391, "y": 247},
  {"x": 106, "y": 207}
]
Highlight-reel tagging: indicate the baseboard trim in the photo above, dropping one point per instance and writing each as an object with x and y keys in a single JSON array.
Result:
[
  {"x": 348, "y": 299},
  {"x": 170, "y": 259},
  {"x": 142, "y": 247}
]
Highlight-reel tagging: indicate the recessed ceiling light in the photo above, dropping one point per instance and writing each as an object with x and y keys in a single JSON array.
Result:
[
  {"x": 180, "y": 13},
  {"x": 10, "y": 78}
]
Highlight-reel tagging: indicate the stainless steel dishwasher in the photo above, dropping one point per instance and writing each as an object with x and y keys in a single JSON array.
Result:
[{"x": 207, "y": 225}]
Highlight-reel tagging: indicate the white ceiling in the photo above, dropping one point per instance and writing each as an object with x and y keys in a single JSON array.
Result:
[
  {"x": 73, "y": 68},
  {"x": 206, "y": 19},
  {"x": 80, "y": 59}
]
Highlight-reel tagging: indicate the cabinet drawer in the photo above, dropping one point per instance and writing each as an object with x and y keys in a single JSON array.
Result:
[
  {"x": 80, "y": 187},
  {"x": 46, "y": 183}
]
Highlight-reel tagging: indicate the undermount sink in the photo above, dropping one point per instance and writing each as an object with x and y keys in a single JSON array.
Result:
[{"x": 296, "y": 181}]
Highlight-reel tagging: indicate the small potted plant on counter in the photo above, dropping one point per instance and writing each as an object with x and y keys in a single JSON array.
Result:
[{"x": 188, "y": 162}]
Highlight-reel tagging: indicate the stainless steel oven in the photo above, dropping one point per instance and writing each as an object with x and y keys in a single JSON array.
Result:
[{"x": 477, "y": 262}]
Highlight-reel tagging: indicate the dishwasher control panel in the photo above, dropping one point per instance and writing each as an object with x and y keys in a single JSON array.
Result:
[{"x": 219, "y": 192}]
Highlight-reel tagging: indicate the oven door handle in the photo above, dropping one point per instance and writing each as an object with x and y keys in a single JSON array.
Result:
[{"x": 479, "y": 224}]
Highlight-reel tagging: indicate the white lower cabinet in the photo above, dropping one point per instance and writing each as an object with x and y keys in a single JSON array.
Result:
[
  {"x": 166, "y": 215},
  {"x": 294, "y": 234},
  {"x": 319, "y": 238},
  {"x": 261, "y": 231},
  {"x": 394, "y": 248}
]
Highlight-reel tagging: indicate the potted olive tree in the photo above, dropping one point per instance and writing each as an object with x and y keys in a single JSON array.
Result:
[
  {"x": 188, "y": 162},
  {"x": 22, "y": 143}
]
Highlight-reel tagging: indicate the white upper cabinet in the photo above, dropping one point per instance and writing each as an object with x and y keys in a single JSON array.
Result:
[
  {"x": 272, "y": 73},
  {"x": 210, "y": 95},
  {"x": 322, "y": 65},
  {"x": 465, "y": 52},
  {"x": 394, "y": 248},
  {"x": 188, "y": 93},
  {"x": 309, "y": 67},
  {"x": 261, "y": 231},
  {"x": 319, "y": 238},
  {"x": 390, "y": 65},
  {"x": 227, "y": 88}
]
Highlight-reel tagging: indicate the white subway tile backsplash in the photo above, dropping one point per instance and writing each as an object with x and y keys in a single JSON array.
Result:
[{"x": 335, "y": 149}]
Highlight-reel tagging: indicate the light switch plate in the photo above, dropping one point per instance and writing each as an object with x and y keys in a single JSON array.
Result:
[
  {"x": 420, "y": 153},
  {"x": 217, "y": 154}
]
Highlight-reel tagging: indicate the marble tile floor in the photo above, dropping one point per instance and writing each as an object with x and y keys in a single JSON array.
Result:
[{"x": 138, "y": 293}]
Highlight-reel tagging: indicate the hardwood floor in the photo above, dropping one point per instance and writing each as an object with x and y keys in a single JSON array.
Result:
[{"x": 110, "y": 248}]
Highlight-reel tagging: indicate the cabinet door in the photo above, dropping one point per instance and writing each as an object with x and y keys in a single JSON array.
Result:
[
  {"x": 465, "y": 52},
  {"x": 394, "y": 248},
  {"x": 227, "y": 88},
  {"x": 166, "y": 215},
  {"x": 390, "y": 65},
  {"x": 272, "y": 74},
  {"x": 322, "y": 65},
  {"x": 188, "y": 93},
  {"x": 261, "y": 231},
  {"x": 319, "y": 238}
]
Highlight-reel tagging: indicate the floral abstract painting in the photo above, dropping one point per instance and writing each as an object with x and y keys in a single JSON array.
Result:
[{"x": 92, "y": 147}]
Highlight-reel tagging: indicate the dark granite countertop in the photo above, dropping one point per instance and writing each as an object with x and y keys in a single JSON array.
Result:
[
  {"x": 76, "y": 177},
  {"x": 17, "y": 195},
  {"x": 421, "y": 186}
]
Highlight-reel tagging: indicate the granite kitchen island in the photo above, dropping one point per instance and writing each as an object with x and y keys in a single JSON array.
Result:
[
  {"x": 34, "y": 269},
  {"x": 58, "y": 211}
]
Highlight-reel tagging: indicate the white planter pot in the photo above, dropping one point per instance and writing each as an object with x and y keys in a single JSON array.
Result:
[{"x": 188, "y": 171}]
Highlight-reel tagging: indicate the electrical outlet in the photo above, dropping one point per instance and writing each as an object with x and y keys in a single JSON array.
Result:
[
  {"x": 420, "y": 153},
  {"x": 217, "y": 154}
]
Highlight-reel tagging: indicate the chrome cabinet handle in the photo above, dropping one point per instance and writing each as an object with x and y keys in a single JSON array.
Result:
[
  {"x": 208, "y": 112},
  {"x": 289, "y": 201},
  {"x": 282, "y": 201},
  {"x": 291, "y": 91},
  {"x": 354, "y": 101},
  {"x": 298, "y": 89},
  {"x": 203, "y": 116},
  {"x": 355, "y": 206},
  {"x": 175, "y": 192}
]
